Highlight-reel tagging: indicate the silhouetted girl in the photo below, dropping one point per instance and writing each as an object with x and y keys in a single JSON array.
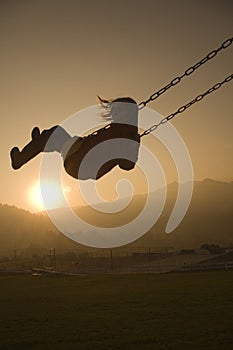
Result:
[{"x": 123, "y": 116}]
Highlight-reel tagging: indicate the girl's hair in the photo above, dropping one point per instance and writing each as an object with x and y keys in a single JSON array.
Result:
[{"x": 110, "y": 106}]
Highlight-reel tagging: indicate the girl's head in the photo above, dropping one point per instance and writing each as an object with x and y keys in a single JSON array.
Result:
[{"x": 122, "y": 110}]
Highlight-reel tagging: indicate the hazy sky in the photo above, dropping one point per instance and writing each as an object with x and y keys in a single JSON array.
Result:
[{"x": 57, "y": 55}]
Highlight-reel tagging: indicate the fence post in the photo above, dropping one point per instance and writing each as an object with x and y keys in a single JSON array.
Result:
[
  {"x": 111, "y": 260},
  {"x": 54, "y": 259},
  {"x": 149, "y": 255},
  {"x": 15, "y": 258}
]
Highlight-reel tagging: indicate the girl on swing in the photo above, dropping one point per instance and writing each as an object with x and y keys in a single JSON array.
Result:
[{"x": 123, "y": 116}]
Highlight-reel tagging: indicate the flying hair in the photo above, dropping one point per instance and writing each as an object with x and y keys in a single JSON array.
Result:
[{"x": 111, "y": 107}]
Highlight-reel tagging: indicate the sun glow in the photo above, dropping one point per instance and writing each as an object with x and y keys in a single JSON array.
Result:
[{"x": 54, "y": 197}]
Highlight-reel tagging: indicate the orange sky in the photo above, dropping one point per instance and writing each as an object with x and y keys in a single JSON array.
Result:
[{"x": 56, "y": 56}]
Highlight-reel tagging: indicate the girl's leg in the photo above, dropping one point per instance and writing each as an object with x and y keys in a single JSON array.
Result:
[
  {"x": 54, "y": 143},
  {"x": 40, "y": 142}
]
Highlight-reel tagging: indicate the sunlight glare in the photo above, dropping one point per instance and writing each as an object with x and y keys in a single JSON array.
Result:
[{"x": 52, "y": 190}]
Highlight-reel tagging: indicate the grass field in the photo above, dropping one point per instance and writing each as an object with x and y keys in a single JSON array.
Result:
[{"x": 168, "y": 311}]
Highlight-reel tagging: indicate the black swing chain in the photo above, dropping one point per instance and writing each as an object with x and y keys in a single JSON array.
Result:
[
  {"x": 174, "y": 82},
  {"x": 187, "y": 105},
  {"x": 187, "y": 72}
]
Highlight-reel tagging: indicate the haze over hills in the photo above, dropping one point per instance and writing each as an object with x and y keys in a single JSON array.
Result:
[{"x": 209, "y": 219}]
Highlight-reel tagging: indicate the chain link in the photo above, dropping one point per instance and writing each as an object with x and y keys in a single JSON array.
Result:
[
  {"x": 187, "y": 105},
  {"x": 176, "y": 81},
  {"x": 187, "y": 72}
]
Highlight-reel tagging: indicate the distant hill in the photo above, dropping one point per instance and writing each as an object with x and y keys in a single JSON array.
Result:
[
  {"x": 209, "y": 220},
  {"x": 21, "y": 229}
]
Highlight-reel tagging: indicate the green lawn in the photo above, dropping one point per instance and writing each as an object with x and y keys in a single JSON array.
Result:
[{"x": 170, "y": 311}]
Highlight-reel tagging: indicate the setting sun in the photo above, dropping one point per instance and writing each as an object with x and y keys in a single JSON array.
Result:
[
  {"x": 34, "y": 197},
  {"x": 53, "y": 195}
]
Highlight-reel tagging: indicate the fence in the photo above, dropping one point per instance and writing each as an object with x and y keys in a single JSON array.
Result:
[{"x": 135, "y": 260}]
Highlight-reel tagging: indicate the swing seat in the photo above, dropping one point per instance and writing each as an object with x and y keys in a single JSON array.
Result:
[{"x": 80, "y": 146}]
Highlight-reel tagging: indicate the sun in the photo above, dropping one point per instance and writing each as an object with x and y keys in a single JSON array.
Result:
[
  {"x": 47, "y": 195},
  {"x": 34, "y": 197}
]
